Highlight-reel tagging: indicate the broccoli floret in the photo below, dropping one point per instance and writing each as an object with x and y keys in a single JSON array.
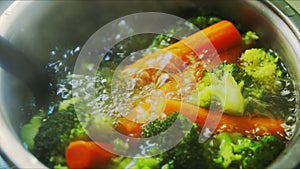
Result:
[
  {"x": 30, "y": 130},
  {"x": 263, "y": 67},
  {"x": 233, "y": 150},
  {"x": 134, "y": 163},
  {"x": 271, "y": 85},
  {"x": 56, "y": 132},
  {"x": 187, "y": 153},
  {"x": 222, "y": 151},
  {"x": 257, "y": 95},
  {"x": 218, "y": 86},
  {"x": 250, "y": 37},
  {"x": 204, "y": 21},
  {"x": 59, "y": 166},
  {"x": 229, "y": 93},
  {"x": 64, "y": 125},
  {"x": 157, "y": 126}
]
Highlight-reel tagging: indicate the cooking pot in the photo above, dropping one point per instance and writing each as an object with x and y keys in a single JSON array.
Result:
[{"x": 37, "y": 27}]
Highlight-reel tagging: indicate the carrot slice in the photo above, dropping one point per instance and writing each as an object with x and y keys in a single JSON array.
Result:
[{"x": 87, "y": 154}]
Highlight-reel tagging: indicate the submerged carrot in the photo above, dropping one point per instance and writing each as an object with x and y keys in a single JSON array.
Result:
[
  {"x": 229, "y": 56},
  {"x": 214, "y": 39},
  {"x": 129, "y": 127},
  {"x": 87, "y": 154},
  {"x": 226, "y": 123}
]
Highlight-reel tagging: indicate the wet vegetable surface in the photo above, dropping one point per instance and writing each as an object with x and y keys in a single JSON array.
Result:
[{"x": 263, "y": 117}]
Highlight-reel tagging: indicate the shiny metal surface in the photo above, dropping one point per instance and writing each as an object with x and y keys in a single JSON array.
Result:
[{"x": 36, "y": 27}]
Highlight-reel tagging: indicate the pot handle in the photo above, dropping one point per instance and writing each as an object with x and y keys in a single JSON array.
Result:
[{"x": 287, "y": 13}]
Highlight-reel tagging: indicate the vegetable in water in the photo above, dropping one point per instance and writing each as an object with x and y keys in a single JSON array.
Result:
[
  {"x": 233, "y": 150},
  {"x": 224, "y": 150},
  {"x": 240, "y": 85},
  {"x": 263, "y": 67},
  {"x": 87, "y": 154},
  {"x": 54, "y": 135},
  {"x": 191, "y": 47},
  {"x": 183, "y": 155},
  {"x": 219, "y": 86},
  {"x": 164, "y": 40},
  {"x": 258, "y": 81},
  {"x": 134, "y": 163},
  {"x": 31, "y": 129},
  {"x": 242, "y": 124}
]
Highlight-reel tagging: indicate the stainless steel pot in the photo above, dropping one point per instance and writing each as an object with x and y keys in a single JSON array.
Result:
[{"x": 37, "y": 27}]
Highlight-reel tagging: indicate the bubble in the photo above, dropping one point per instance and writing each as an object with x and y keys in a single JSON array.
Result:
[{"x": 291, "y": 119}]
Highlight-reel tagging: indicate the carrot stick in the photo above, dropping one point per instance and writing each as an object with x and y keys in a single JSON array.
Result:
[
  {"x": 215, "y": 38},
  {"x": 228, "y": 123},
  {"x": 87, "y": 154},
  {"x": 245, "y": 124}
]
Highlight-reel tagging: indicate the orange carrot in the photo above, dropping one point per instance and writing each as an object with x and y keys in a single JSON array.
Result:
[
  {"x": 232, "y": 55},
  {"x": 215, "y": 38},
  {"x": 129, "y": 127},
  {"x": 229, "y": 56},
  {"x": 227, "y": 123},
  {"x": 87, "y": 154}
]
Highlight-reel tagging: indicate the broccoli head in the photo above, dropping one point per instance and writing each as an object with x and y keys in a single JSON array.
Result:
[
  {"x": 204, "y": 21},
  {"x": 55, "y": 133},
  {"x": 221, "y": 151},
  {"x": 30, "y": 130},
  {"x": 187, "y": 153},
  {"x": 249, "y": 38},
  {"x": 134, "y": 163},
  {"x": 233, "y": 150},
  {"x": 219, "y": 87},
  {"x": 243, "y": 92},
  {"x": 271, "y": 85},
  {"x": 263, "y": 67},
  {"x": 157, "y": 126}
]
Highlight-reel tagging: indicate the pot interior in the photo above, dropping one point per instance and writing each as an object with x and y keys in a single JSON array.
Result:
[{"x": 38, "y": 27}]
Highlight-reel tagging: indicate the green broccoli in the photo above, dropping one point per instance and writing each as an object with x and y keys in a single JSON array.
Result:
[
  {"x": 222, "y": 151},
  {"x": 255, "y": 92},
  {"x": 183, "y": 155},
  {"x": 204, "y": 21},
  {"x": 233, "y": 150},
  {"x": 218, "y": 86},
  {"x": 134, "y": 163},
  {"x": 186, "y": 154},
  {"x": 157, "y": 126},
  {"x": 263, "y": 67},
  {"x": 271, "y": 85},
  {"x": 30, "y": 130},
  {"x": 250, "y": 37},
  {"x": 64, "y": 124},
  {"x": 55, "y": 133}
]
